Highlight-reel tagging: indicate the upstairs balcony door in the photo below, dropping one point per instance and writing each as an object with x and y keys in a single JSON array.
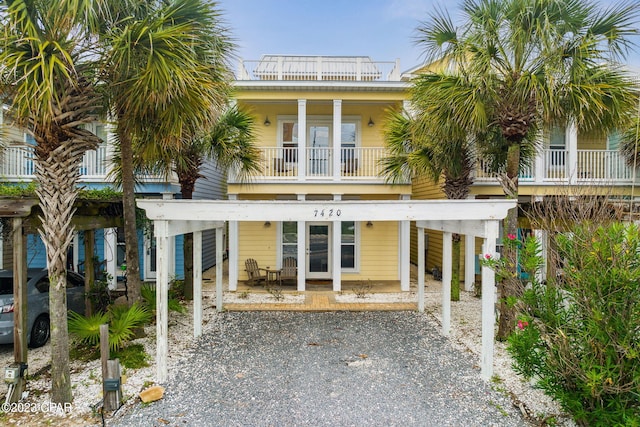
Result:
[{"x": 319, "y": 149}]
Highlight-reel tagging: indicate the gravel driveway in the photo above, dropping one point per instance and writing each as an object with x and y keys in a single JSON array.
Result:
[{"x": 325, "y": 369}]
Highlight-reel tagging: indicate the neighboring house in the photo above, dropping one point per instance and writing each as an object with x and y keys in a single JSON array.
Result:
[
  {"x": 569, "y": 163},
  {"x": 17, "y": 166},
  {"x": 321, "y": 137}
]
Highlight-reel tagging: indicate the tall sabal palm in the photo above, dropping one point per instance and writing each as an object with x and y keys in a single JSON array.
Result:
[
  {"x": 229, "y": 143},
  {"x": 516, "y": 66},
  {"x": 167, "y": 76},
  {"x": 419, "y": 147},
  {"x": 46, "y": 77}
]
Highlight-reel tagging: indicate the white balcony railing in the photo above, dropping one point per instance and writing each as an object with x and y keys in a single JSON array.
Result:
[
  {"x": 553, "y": 165},
  {"x": 356, "y": 164},
  {"x": 18, "y": 164}
]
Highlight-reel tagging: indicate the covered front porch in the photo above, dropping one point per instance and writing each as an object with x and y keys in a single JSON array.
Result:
[{"x": 478, "y": 218}]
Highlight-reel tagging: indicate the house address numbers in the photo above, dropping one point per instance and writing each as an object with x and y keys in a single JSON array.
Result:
[{"x": 326, "y": 213}]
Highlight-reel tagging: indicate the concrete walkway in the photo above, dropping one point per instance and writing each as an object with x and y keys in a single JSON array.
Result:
[{"x": 319, "y": 301}]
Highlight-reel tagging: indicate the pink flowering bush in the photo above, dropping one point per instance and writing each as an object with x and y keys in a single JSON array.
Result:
[{"x": 579, "y": 337}]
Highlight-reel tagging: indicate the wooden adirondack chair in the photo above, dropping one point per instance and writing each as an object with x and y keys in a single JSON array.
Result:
[
  {"x": 256, "y": 274},
  {"x": 289, "y": 270}
]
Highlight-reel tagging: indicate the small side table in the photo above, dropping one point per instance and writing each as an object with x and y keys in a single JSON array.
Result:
[{"x": 274, "y": 275}]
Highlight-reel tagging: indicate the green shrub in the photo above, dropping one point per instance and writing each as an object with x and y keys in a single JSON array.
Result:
[
  {"x": 131, "y": 356},
  {"x": 87, "y": 329},
  {"x": 579, "y": 336},
  {"x": 148, "y": 293}
]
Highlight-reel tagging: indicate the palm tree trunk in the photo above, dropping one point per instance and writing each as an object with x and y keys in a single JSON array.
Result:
[
  {"x": 57, "y": 173},
  {"x": 187, "y": 186},
  {"x": 510, "y": 286},
  {"x": 130, "y": 230}
]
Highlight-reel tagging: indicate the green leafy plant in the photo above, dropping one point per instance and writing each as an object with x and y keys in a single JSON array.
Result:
[
  {"x": 577, "y": 334},
  {"x": 20, "y": 189},
  {"x": 132, "y": 356},
  {"x": 87, "y": 328},
  {"x": 122, "y": 322},
  {"x": 148, "y": 293}
]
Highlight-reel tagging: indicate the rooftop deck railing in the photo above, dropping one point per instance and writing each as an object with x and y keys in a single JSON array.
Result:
[{"x": 319, "y": 69}]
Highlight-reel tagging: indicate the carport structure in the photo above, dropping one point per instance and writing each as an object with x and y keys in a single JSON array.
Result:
[{"x": 473, "y": 218}]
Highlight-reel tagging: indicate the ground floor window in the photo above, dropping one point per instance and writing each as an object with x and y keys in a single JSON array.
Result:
[{"x": 290, "y": 240}]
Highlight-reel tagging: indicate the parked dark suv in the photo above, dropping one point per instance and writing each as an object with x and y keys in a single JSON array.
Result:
[{"x": 37, "y": 304}]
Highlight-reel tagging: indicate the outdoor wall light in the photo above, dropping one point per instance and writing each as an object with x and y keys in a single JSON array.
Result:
[
  {"x": 370, "y": 122},
  {"x": 267, "y": 224},
  {"x": 267, "y": 122},
  {"x": 369, "y": 224}
]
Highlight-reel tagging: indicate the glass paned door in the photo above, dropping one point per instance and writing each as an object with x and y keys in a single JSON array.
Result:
[
  {"x": 319, "y": 149},
  {"x": 318, "y": 251}
]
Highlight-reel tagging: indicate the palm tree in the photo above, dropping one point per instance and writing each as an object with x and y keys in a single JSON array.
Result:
[
  {"x": 168, "y": 76},
  {"x": 229, "y": 144},
  {"x": 46, "y": 77},
  {"x": 516, "y": 66},
  {"x": 441, "y": 153}
]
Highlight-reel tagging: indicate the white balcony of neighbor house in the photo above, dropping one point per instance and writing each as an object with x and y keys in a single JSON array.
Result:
[
  {"x": 564, "y": 166},
  {"x": 356, "y": 164},
  {"x": 17, "y": 165},
  {"x": 318, "y": 68}
]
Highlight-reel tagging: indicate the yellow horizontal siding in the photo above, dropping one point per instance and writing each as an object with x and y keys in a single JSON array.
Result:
[
  {"x": 258, "y": 242},
  {"x": 379, "y": 251}
]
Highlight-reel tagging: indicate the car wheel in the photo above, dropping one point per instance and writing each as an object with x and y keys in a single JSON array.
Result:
[{"x": 39, "y": 332}]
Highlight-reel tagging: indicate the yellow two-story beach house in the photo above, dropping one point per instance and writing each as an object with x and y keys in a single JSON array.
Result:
[{"x": 320, "y": 135}]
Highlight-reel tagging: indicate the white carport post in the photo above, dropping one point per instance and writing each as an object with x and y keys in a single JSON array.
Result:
[
  {"x": 161, "y": 230},
  {"x": 197, "y": 283},
  {"x": 219, "y": 243},
  {"x": 488, "y": 301},
  {"x": 302, "y": 250},
  {"x": 233, "y": 252},
  {"x": 446, "y": 282},
  {"x": 469, "y": 262},
  {"x": 336, "y": 243},
  {"x": 405, "y": 256},
  {"x": 421, "y": 262}
]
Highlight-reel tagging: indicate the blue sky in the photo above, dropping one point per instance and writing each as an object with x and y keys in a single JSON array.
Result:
[{"x": 382, "y": 29}]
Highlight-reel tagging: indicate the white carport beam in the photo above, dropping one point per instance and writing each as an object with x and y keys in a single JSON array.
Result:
[{"x": 318, "y": 210}]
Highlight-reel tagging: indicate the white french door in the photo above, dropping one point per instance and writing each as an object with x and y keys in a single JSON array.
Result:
[
  {"x": 319, "y": 250},
  {"x": 149, "y": 255}
]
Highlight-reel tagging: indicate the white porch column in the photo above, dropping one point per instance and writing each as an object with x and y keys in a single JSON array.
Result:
[
  {"x": 219, "y": 244},
  {"x": 571, "y": 142},
  {"x": 488, "y": 302},
  {"x": 469, "y": 262},
  {"x": 538, "y": 165},
  {"x": 421, "y": 262},
  {"x": 336, "y": 241},
  {"x": 405, "y": 248},
  {"x": 302, "y": 252},
  {"x": 447, "y": 238},
  {"x": 110, "y": 253},
  {"x": 337, "y": 138},
  {"x": 233, "y": 251},
  {"x": 302, "y": 139},
  {"x": 161, "y": 229},
  {"x": 197, "y": 283}
]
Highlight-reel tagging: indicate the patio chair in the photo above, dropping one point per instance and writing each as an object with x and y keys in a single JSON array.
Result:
[
  {"x": 256, "y": 274},
  {"x": 289, "y": 270}
]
